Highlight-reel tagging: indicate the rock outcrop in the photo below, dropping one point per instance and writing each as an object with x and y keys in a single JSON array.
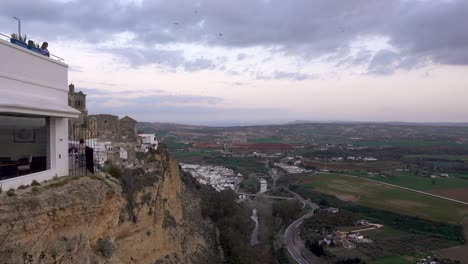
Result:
[{"x": 145, "y": 215}]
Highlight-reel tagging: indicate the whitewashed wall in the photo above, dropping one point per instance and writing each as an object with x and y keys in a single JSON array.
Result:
[{"x": 31, "y": 83}]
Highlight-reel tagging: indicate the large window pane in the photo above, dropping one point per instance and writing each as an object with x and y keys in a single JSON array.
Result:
[{"x": 24, "y": 144}]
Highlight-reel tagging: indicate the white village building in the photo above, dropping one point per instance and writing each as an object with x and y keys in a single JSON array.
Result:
[
  {"x": 34, "y": 116},
  {"x": 148, "y": 141}
]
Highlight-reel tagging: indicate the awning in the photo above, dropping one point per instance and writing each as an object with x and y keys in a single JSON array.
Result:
[
  {"x": 44, "y": 110},
  {"x": 55, "y": 105}
]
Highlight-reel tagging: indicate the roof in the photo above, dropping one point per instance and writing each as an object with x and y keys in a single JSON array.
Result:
[{"x": 128, "y": 119}]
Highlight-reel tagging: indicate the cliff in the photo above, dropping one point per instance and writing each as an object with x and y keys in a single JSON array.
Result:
[{"x": 143, "y": 215}]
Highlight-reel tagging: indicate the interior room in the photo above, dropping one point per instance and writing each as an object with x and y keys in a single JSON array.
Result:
[{"x": 24, "y": 145}]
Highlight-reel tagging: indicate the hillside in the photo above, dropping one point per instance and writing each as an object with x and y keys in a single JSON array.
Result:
[{"x": 144, "y": 215}]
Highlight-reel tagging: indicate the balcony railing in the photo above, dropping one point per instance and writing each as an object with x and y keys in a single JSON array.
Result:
[{"x": 29, "y": 47}]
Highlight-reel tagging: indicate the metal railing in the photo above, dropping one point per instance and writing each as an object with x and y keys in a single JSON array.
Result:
[{"x": 57, "y": 58}]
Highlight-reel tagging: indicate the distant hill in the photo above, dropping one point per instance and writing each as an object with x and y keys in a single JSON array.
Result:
[
  {"x": 148, "y": 127},
  {"x": 396, "y": 123}
]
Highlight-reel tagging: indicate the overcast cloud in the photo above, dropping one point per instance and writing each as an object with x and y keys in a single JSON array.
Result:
[{"x": 254, "y": 40}]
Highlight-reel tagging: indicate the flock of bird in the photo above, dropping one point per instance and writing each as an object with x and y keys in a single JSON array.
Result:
[{"x": 196, "y": 12}]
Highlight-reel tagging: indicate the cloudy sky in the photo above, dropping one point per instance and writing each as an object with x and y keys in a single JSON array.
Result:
[{"x": 259, "y": 61}]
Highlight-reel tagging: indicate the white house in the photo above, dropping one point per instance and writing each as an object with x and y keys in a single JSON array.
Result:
[
  {"x": 34, "y": 116},
  {"x": 148, "y": 138},
  {"x": 123, "y": 153},
  {"x": 148, "y": 141},
  {"x": 101, "y": 149}
]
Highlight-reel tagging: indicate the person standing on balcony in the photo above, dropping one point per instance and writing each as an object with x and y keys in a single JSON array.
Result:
[
  {"x": 44, "y": 49},
  {"x": 81, "y": 154}
]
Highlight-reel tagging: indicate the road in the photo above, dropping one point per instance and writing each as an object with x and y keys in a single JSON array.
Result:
[{"x": 294, "y": 228}]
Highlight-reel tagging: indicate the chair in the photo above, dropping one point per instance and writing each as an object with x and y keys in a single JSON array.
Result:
[{"x": 24, "y": 164}]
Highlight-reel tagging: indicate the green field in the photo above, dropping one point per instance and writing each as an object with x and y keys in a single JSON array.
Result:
[
  {"x": 441, "y": 157},
  {"x": 393, "y": 260},
  {"x": 382, "y": 197},
  {"x": 183, "y": 154},
  {"x": 416, "y": 182},
  {"x": 274, "y": 140},
  {"x": 406, "y": 143}
]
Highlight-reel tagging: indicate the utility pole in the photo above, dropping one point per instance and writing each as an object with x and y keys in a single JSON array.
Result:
[{"x": 19, "y": 26}]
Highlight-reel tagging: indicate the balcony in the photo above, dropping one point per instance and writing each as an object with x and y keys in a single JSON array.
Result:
[{"x": 30, "y": 81}]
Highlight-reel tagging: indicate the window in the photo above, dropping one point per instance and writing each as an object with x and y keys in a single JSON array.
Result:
[{"x": 24, "y": 145}]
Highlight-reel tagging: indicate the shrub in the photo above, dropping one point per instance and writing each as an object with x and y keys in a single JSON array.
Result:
[
  {"x": 35, "y": 183},
  {"x": 114, "y": 171},
  {"x": 11, "y": 193},
  {"x": 22, "y": 187},
  {"x": 169, "y": 220},
  {"x": 35, "y": 189},
  {"x": 105, "y": 247}
]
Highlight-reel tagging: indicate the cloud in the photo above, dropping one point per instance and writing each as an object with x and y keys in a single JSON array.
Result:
[
  {"x": 199, "y": 64},
  {"x": 420, "y": 31},
  {"x": 167, "y": 108},
  {"x": 145, "y": 97},
  {"x": 283, "y": 75},
  {"x": 383, "y": 63},
  {"x": 241, "y": 56}
]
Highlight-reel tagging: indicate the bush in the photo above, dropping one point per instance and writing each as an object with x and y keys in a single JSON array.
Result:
[
  {"x": 114, "y": 171},
  {"x": 11, "y": 193},
  {"x": 105, "y": 247},
  {"x": 35, "y": 183},
  {"x": 287, "y": 210},
  {"x": 250, "y": 185},
  {"x": 35, "y": 189},
  {"x": 169, "y": 220}
]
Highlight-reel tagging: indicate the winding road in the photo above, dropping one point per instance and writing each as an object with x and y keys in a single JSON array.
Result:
[{"x": 294, "y": 228}]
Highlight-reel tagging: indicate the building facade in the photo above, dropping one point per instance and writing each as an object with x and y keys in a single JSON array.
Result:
[{"x": 34, "y": 115}]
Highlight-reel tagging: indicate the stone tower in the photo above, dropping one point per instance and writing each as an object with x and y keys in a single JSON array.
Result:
[{"x": 77, "y": 100}]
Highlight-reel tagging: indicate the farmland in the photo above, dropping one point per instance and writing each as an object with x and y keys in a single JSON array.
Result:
[
  {"x": 429, "y": 158},
  {"x": 377, "y": 196},
  {"x": 416, "y": 182}
]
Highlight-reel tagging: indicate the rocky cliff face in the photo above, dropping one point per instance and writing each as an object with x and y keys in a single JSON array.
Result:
[{"x": 147, "y": 215}]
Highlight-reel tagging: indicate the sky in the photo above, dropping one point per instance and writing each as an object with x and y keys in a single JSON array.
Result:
[{"x": 219, "y": 62}]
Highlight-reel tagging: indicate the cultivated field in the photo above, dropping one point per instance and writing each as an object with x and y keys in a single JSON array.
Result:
[
  {"x": 382, "y": 197},
  {"x": 455, "y": 193},
  {"x": 416, "y": 182}
]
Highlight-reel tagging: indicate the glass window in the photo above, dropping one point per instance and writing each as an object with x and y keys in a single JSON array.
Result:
[{"x": 24, "y": 145}]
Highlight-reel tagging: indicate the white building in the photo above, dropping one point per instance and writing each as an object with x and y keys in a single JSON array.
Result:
[
  {"x": 148, "y": 141},
  {"x": 123, "y": 153},
  {"x": 148, "y": 138},
  {"x": 34, "y": 116},
  {"x": 101, "y": 149}
]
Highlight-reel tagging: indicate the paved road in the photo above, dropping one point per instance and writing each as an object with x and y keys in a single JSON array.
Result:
[
  {"x": 408, "y": 189},
  {"x": 266, "y": 196},
  {"x": 289, "y": 237},
  {"x": 294, "y": 228}
]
